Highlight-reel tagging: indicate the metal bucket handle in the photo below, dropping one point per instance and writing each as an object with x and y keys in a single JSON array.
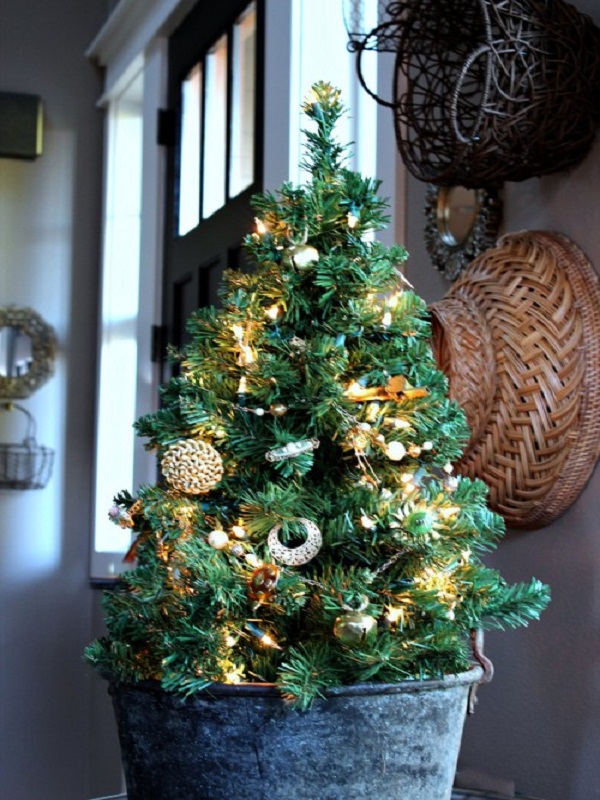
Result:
[{"x": 477, "y": 638}]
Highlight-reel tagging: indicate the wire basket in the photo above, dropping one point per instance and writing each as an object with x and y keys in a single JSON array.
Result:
[
  {"x": 488, "y": 91},
  {"x": 26, "y": 465}
]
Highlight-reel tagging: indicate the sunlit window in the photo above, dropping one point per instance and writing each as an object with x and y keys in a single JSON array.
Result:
[
  {"x": 215, "y": 128},
  {"x": 241, "y": 168},
  {"x": 118, "y": 333},
  {"x": 189, "y": 165}
]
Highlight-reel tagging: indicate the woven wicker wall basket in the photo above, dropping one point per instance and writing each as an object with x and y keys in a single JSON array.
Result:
[
  {"x": 518, "y": 336},
  {"x": 488, "y": 91}
]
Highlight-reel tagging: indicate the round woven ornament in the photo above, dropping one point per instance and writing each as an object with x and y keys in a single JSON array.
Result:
[
  {"x": 192, "y": 466},
  {"x": 518, "y": 337}
]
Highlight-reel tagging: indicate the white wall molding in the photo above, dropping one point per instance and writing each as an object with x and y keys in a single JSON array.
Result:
[{"x": 129, "y": 30}]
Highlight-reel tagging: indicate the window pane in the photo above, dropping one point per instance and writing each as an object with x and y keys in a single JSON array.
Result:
[
  {"x": 241, "y": 168},
  {"x": 215, "y": 128},
  {"x": 189, "y": 158},
  {"x": 120, "y": 305}
]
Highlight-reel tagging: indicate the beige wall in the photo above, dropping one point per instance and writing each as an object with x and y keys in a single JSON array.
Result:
[
  {"x": 539, "y": 721},
  {"x": 54, "y": 733}
]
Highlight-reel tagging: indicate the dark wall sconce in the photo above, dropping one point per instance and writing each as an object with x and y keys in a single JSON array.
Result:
[{"x": 21, "y": 125}]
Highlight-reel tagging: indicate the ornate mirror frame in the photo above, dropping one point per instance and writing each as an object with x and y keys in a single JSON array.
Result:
[{"x": 460, "y": 224}]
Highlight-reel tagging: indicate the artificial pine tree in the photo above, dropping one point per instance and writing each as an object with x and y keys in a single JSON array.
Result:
[{"x": 309, "y": 530}]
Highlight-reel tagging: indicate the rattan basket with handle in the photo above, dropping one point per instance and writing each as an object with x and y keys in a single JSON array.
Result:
[
  {"x": 487, "y": 91},
  {"x": 518, "y": 337}
]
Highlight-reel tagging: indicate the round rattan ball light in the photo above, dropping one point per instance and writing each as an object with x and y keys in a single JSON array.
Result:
[{"x": 518, "y": 336}]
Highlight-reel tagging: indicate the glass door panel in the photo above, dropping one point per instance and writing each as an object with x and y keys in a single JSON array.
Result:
[
  {"x": 243, "y": 91},
  {"x": 189, "y": 150},
  {"x": 215, "y": 128}
]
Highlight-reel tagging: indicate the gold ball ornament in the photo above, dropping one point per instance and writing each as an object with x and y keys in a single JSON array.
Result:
[
  {"x": 301, "y": 256},
  {"x": 192, "y": 466},
  {"x": 355, "y": 627},
  {"x": 278, "y": 409}
]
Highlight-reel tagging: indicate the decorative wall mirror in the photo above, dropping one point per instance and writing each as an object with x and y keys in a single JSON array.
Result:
[
  {"x": 460, "y": 223},
  {"x": 27, "y": 349}
]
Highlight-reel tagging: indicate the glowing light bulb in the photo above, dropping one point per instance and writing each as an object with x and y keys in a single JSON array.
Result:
[
  {"x": 352, "y": 220},
  {"x": 448, "y": 512},
  {"x": 260, "y": 225},
  {"x": 238, "y": 332},
  {"x": 367, "y": 522},
  {"x": 394, "y": 614},
  {"x": 387, "y": 319},
  {"x": 268, "y": 641},
  {"x": 247, "y": 355},
  {"x": 273, "y": 312},
  {"x": 238, "y": 531},
  {"x": 242, "y": 386}
]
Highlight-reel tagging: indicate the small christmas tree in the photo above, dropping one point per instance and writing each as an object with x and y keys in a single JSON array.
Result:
[{"x": 309, "y": 530}]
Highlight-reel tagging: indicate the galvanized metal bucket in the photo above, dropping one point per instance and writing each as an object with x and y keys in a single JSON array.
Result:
[{"x": 377, "y": 741}]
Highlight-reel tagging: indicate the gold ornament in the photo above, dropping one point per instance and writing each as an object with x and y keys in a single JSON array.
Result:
[
  {"x": 262, "y": 582},
  {"x": 294, "y": 556},
  {"x": 192, "y": 466},
  {"x": 278, "y": 409},
  {"x": 355, "y": 627},
  {"x": 301, "y": 256},
  {"x": 397, "y": 388}
]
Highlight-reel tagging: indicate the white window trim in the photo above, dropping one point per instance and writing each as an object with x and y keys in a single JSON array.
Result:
[{"x": 153, "y": 65}]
